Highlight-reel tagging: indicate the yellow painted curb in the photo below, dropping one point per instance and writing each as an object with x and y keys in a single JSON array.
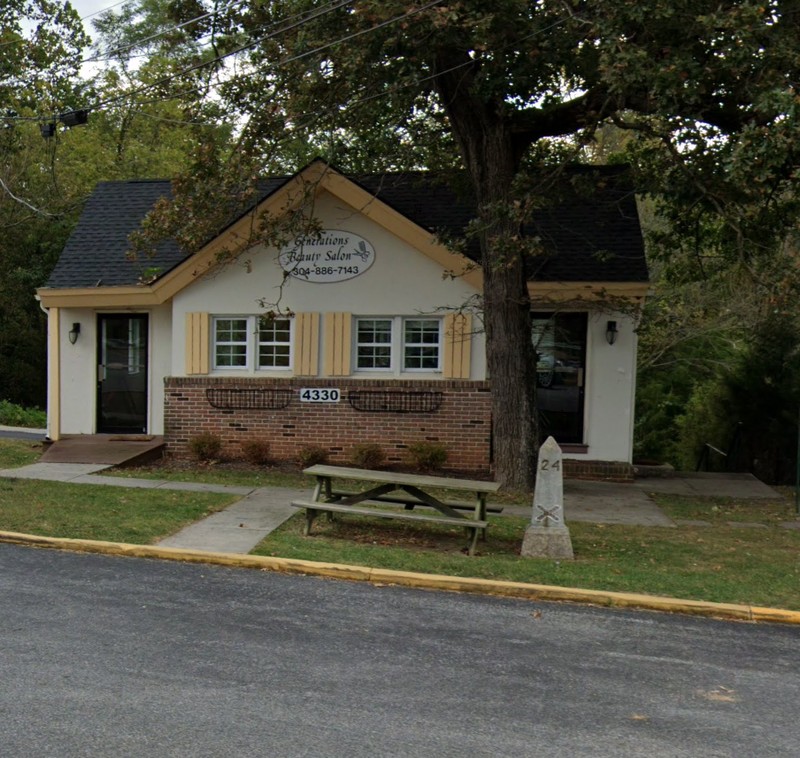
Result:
[{"x": 521, "y": 590}]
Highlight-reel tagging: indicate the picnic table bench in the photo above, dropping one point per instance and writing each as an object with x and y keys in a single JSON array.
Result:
[{"x": 392, "y": 488}]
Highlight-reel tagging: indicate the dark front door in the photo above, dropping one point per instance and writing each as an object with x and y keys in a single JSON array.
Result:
[
  {"x": 122, "y": 373},
  {"x": 560, "y": 341}
]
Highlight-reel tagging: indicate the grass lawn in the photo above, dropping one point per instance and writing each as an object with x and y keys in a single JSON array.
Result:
[
  {"x": 16, "y": 453},
  {"x": 56, "y": 509},
  {"x": 719, "y": 563}
]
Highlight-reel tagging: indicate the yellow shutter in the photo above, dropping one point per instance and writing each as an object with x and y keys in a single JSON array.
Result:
[
  {"x": 306, "y": 344},
  {"x": 457, "y": 344},
  {"x": 197, "y": 343},
  {"x": 338, "y": 336}
]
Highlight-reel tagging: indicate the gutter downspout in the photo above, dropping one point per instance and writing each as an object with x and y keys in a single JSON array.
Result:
[{"x": 53, "y": 370}]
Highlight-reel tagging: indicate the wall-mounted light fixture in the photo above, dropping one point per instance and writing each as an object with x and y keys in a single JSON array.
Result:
[
  {"x": 73, "y": 333},
  {"x": 611, "y": 332}
]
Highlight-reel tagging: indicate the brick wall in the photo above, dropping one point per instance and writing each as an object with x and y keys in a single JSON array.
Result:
[
  {"x": 462, "y": 422},
  {"x": 612, "y": 471}
]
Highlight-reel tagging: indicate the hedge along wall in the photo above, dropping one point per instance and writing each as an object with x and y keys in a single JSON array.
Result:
[{"x": 452, "y": 413}]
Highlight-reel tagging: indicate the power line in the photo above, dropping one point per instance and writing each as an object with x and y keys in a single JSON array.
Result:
[
  {"x": 197, "y": 66},
  {"x": 284, "y": 61},
  {"x": 314, "y": 115},
  {"x": 108, "y": 54},
  {"x": 103, "y": 10},
  {"x": 311, "y": 115}
]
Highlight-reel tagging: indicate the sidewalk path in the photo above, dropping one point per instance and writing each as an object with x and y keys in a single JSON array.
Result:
[{"x": 241, "y": 526}]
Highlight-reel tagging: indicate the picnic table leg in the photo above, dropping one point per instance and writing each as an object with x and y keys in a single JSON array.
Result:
[
  {"x": 482, "y": 512},
  {"x": 473, "y": 539},
  {"x": 310, "y": 514}
]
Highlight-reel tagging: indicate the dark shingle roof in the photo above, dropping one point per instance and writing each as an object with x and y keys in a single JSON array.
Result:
[{"x": 586, "y": 236}]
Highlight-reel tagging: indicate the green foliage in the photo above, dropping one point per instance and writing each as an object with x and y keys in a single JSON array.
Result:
[
  {"x": 311, "y": 455},
  {"x": 256, "y": 452},
  {"x": 760, "y": 394},
  {"x": 705, "y": 420},
  {"x": 205, "y": 446},
  {"x": 427, "y": 456},
  {"x": 367, "y": 455},
  {"x": 16, "y": 415}
]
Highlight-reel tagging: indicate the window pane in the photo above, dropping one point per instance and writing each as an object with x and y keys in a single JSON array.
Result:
[
  {"x": 230, "y": 343},
  {"x": 274, "y": 344},
  {"x": 374, "y": 343},
  {"x": 421, "y": 344}
]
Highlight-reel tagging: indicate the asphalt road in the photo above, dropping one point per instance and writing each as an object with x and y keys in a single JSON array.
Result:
[{"x": 105, "y": 656}]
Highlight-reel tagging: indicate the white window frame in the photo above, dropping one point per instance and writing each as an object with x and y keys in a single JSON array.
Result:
[
  {"x": 252, "y": 345},
  {"x": 215, "y": 343},
  {"x": 385, "y": 369},
  {"x": 289, "y": 343},
  {"x": 398, "y": 345},
  {"x": 404, "y": 345}
]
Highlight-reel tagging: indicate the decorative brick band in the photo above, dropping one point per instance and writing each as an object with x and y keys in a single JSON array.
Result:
[{"x": 461, "y": 422}]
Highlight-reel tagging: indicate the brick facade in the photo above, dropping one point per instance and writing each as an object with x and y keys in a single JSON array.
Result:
[
  {"x": 612, "y": 471},
  {"x": 461, "y": 423}
]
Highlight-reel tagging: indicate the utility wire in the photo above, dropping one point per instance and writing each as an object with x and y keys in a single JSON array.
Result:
[
  {"x": 202, "y": 64},
  {"x": 108, "y": 54},
  {"x": 284, "y": 61},
  {"x": 103, "y": 10}
]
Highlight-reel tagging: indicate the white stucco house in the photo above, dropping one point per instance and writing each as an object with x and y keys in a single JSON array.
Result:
[{"x": 373, "y": 343}]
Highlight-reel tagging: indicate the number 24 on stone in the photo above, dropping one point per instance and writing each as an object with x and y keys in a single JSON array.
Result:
[{"x": 545, "y": 465}]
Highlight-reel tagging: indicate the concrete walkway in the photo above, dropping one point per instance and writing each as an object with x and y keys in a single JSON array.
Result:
[{"x": 241, "y": 526}]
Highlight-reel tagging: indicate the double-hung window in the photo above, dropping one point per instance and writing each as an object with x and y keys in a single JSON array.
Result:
[
  {"x": 374, "y": 344},
  {"x": 230, "y": 343},
  {"x": 398, "y": 344},
  {"x": 250, "y": 342},
  {"x": 421, "y": 344},
  {"x": 275, "y": 344}
]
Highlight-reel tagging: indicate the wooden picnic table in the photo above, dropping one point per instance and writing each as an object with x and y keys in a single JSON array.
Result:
[{"x": 393, "y": 488}]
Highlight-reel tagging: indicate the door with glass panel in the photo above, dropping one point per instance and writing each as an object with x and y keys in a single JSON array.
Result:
[
  {"x": 122, "y": 373},
  {"x": 560, "y": 342}
]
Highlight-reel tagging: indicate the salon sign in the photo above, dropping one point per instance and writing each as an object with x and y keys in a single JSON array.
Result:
[{"x": 329, "y": 256}]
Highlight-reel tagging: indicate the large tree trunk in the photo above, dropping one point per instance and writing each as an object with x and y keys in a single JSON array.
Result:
[
  {"x": 492, "y": 162},
  {"x": 510, "y": 354}
]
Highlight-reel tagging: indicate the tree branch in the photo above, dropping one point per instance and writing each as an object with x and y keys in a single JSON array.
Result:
[{"x": 25, "y": 202}]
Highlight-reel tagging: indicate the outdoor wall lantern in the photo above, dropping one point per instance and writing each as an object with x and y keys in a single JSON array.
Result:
[
  {"x": 611, "y": 332},
  {"x": 73, "y": 333}
]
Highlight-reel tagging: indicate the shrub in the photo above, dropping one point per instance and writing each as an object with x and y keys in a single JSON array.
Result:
[
  {"x": 310, "y": 455},
  {"x": 256, "y": 452},
  {"x": 16, "y": 415},
  {"x": 205, "y": 446},
  {"x": 367, "y": 455},
  {"x": 427, "y": 456}
]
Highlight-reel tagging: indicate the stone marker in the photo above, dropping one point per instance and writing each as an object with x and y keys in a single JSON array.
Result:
[{"x": 547, "y": 536}]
